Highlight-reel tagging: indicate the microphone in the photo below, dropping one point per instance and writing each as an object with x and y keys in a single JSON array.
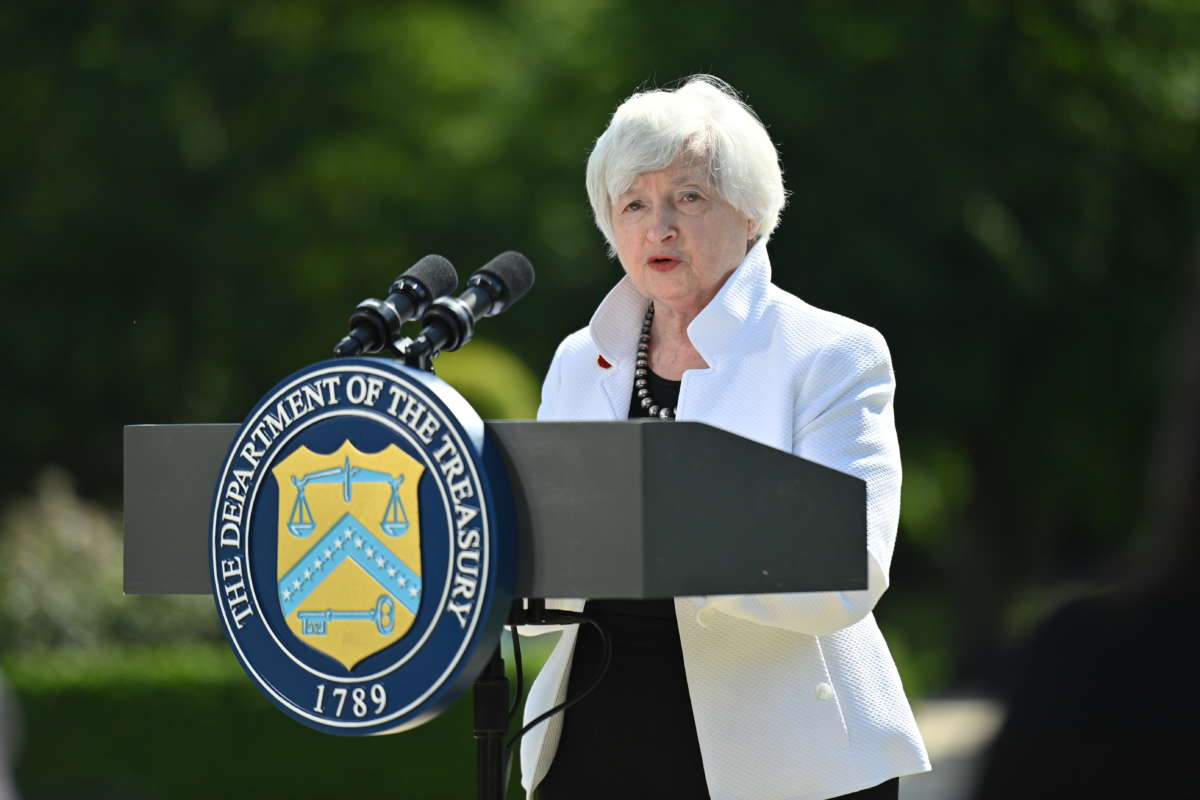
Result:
[
  {"x": 450, "y": 321},
  {"x": 374, "y": 323}
]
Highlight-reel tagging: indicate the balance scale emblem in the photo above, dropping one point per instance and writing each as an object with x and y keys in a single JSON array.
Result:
[{"x": 349, "y": 548}]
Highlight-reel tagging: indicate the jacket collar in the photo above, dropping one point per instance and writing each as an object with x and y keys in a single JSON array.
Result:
[{"x": 717, "y": 332}]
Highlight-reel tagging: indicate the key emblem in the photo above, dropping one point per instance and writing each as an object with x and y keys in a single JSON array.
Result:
[{"x": 383, "y": 615}]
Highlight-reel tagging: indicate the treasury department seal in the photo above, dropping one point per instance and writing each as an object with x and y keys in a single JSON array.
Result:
[{"x": 361, "y": 546}]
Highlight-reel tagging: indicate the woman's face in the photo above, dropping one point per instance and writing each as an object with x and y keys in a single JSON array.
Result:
[{"x": 677, "y": 239}]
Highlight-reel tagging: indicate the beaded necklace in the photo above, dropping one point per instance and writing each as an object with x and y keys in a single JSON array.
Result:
[{"x": 641, "y": 373}]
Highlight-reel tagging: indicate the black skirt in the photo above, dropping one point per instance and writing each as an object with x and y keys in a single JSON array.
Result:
[{"x": 634, "y": 736}]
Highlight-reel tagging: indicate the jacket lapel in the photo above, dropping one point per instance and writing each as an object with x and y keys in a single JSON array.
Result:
[
  {"x": 617, "y": 386},
  {"x": 614, "y": 330}
]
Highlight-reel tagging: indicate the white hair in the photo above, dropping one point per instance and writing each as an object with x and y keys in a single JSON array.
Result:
[{"x": 703, "y": 118}]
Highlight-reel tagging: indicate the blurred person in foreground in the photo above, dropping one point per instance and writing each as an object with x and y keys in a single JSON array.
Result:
[
  {"x": 9, "y": 740},
  {"x": 1105, "y": 701},
  {"x": 772, "y": 696}
]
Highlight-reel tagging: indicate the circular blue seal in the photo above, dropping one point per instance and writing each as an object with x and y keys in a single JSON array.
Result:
[{"x": 362, "y": 546}]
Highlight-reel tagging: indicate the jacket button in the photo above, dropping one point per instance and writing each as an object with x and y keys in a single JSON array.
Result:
[{"x": 824, "y": 691}]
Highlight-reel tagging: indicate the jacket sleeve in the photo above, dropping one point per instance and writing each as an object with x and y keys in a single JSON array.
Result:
[{"x": 844, "y": 420}]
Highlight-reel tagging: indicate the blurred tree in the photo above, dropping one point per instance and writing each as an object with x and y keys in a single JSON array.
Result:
[{"x": 60, "y": 580}]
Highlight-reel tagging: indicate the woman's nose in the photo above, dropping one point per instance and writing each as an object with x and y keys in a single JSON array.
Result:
[{"x": 663, "y": 227}]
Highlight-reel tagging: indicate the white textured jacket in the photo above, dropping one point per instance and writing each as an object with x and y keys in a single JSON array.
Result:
[{"x": 795, "y": 695}]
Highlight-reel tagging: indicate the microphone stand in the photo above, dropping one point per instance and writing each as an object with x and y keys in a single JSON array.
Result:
[
  {"x": 490, "y": 696},
  {"x": 416, "y": 353},
  {"x": 492, "y": 768}
]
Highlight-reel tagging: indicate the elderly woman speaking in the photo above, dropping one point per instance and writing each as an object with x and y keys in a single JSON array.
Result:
[{"x": 757, "y": 697}]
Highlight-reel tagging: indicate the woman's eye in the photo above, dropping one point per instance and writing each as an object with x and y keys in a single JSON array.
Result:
[
  {"x": 634, "y": 205},
  {"x": 690, "y": 197}
]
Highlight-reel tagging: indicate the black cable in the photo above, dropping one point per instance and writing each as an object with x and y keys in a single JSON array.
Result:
[
  {"x": 516, "y": 646},
  {"x": 568, "y": 617},
  {"x": 515, "y": 705}
]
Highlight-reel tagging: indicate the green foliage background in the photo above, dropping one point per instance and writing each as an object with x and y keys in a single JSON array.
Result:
[
  {"x": 194, "y": 194},
  {"x": 185, "y": 722}
]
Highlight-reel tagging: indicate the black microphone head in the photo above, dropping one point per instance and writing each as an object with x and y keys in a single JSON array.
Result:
[
  {"x": 435, "y": 273},
  {"x": 514, "y": 273}
]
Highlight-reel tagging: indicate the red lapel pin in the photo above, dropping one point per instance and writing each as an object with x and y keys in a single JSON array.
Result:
[{"x": 603, "y": 362}]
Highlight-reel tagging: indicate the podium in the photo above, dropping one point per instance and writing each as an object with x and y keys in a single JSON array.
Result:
[
  {"x": 637, "y": 509},
  {"x": 634, "y": 509}
]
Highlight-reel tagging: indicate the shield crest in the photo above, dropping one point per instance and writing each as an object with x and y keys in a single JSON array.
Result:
[{"x": 349, "y": 548}]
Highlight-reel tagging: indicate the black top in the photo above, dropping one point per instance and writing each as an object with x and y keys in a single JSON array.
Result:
[
  {"x": 664, "y": 392},
  {"x": 635, "y": 735}
]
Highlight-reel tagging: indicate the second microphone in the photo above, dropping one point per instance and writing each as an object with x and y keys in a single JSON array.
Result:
[{"x": 449, "y": 323}]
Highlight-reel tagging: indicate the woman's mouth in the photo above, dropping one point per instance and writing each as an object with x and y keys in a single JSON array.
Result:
[{"x": 662, "y": 263}]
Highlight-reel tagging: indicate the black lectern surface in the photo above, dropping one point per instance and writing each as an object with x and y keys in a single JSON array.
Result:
[{"x": 604, "y": 509}]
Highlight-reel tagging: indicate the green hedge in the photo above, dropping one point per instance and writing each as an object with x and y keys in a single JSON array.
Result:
[{"x": 184, "y": 721}]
